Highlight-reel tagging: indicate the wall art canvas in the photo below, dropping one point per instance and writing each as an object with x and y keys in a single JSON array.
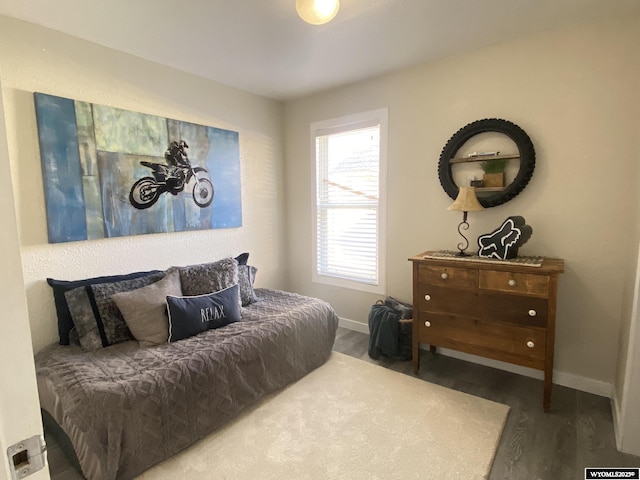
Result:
[{"x": 110, "y": 172}]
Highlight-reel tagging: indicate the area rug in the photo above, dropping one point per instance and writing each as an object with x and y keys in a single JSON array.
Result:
[{"x": 350, "y": 420}]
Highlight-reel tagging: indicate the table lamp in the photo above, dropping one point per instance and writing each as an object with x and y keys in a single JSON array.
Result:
[{"x": 465, "y": 202}]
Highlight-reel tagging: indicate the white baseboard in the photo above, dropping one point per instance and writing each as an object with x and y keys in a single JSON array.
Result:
[
  {"x": 564, "y": 379},
  {"x": 353, "y": 325}
]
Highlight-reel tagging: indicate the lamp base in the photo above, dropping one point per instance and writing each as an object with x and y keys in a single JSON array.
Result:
[{"x": 462, "y": 246}]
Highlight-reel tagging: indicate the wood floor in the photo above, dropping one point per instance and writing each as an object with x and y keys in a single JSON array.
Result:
[{"x": 559, "y": 445}]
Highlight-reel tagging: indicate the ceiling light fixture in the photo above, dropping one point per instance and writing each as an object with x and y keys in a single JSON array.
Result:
[{"x": 317, "y": 12}]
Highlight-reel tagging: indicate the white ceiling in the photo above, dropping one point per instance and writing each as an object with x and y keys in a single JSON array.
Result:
[{"x": 263, "y": 47}]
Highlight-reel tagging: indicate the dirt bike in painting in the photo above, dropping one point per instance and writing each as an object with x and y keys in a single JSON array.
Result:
[{"x": 172, "y": 178}]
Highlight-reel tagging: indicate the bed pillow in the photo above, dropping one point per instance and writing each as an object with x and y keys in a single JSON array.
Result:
[
  {"x": 209, "y": 277},
  {"x": 60, "y": 287},
  {"x": 95, "y": 315},
  {"x": 88, "y": 331},
  {"x": 243, "y": 258},
  {"x": 145, "y": 309},
  {"x": 246, "y": 277},
  {"x": 189, "y": 316}
]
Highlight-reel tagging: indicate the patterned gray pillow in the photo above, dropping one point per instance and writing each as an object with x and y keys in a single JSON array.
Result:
[
  {"x": 246, "y": 277},
  {"x": 84, "y": 320},
  {"x": 208, "y": 277},
  {"x": 95, "y": 315}
]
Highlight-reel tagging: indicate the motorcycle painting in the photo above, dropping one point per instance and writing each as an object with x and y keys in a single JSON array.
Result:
[
  {"x": 172, "y": 178},
  {"x": 109, "y": 172}
]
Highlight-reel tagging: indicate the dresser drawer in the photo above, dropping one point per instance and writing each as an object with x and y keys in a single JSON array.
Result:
[
  {"x": 448, "y": 276},
  {"x": 479, "y": 304},
  {"x": 513, "y": 309},
  {"x": 503, "y": 342},
  {"x": 526, "y": 283},
  {"x": 438, "y": 299}
]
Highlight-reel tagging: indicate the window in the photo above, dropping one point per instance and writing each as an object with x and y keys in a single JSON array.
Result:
[{"x": 349, "y": 201}]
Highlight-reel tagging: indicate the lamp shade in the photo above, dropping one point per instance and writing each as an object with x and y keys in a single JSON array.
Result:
[
  {"x": 466, "y": 201},
  {"x": 317, "y": 12}
]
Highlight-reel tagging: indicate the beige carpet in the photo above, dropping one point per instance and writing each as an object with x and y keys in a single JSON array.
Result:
[{"x": 350, "y": 420}]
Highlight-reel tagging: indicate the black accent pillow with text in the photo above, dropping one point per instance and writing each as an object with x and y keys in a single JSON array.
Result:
[{"x": 189, "y": 316}]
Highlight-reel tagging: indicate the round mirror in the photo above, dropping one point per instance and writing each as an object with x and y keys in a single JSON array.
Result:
[{"x": 493, "y": 155}]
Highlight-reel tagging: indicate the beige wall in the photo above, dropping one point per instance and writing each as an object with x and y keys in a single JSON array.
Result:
[
  {"x": 575, "y": 92},
  {"x": 38, "y": 59}
]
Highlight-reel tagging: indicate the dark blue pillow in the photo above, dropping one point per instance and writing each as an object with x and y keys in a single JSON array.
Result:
[
  {"x": 189, "y": 316},
  {"x": 243, "y": 258},
  {"x": 65, "y": 323}
]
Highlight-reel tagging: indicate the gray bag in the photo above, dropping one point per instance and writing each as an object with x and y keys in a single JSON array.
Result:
[{"x": 404, "y": 309}]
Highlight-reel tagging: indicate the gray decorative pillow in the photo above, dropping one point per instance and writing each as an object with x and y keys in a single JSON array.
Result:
[
  {"x": 144, "y": 309},
  {"x": 209, "y": 277},
  {"x": 60, "y": 287},
  {"x": 115, "y": 328},
  {"x": 246, "y": 277},
  {"x": 84, "y": 320},
  {"x": 96, "y": 317}
]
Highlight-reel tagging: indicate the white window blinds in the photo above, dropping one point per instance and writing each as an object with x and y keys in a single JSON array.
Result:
[{"x": 348, "y": 202}]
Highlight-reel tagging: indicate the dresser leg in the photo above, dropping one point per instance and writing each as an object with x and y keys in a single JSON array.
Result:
[{"x": 416, "y": 357}]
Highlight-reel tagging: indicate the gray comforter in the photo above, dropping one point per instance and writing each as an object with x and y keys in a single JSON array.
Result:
[{"x": 126, "y": 408}]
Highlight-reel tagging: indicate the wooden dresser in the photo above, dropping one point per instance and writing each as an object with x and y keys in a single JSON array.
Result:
[{"x": 500, "y": 310}]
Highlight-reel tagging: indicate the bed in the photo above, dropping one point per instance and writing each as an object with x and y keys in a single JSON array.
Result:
[{"x": 125, "y": 408}]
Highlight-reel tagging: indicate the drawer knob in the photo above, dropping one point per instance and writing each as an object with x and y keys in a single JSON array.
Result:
[
  {"x": 532, "y": 313},
  {"x": 530, "y": 344},
  {"x": 427, "y": 323},
  {"x": 427, "y": 297},
  {"x": 444, "y": 275},
  {"x": 512, "y": 282}
]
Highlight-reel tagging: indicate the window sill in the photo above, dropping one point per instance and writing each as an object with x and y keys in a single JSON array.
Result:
[{"x": 349, "y": 284}]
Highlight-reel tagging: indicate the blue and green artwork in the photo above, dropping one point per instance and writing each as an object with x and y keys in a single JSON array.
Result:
[{"x": 111, "y": 173}]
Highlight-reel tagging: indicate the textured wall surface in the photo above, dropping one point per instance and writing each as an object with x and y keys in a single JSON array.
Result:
[
  {"x": 575, "y": 92},
  {"x": 36, "y": 59}
]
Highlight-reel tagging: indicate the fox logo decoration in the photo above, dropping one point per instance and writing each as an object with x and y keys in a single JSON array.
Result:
[{"x": 503, "y": 243}]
